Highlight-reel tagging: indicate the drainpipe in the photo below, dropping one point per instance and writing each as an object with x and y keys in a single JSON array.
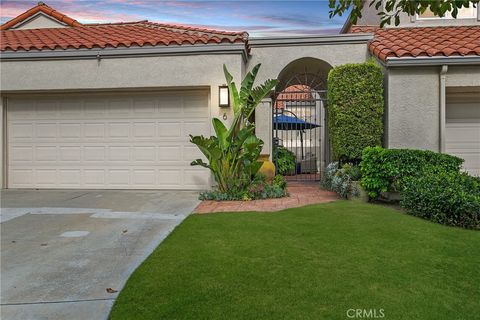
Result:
[{"x": 443, "y": 106}]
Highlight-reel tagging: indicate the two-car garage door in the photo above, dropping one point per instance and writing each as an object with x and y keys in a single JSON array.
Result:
[{"x": 107, "y": 141}]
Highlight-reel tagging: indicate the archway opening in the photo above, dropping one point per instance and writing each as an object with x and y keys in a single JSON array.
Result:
[{"x": 299, "y": 136}]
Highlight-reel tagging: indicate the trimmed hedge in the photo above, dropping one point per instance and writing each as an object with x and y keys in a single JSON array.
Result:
[
  {"x": 449, "y": 198},
  {"x": 387, "y": 169},
  {"x": 355, "y": 109}
]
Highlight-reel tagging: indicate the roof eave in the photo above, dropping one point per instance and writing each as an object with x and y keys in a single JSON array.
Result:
[
  {"x": 430, "y": 61},
  {"x": 310, "y": 40},
  {"x": 101, "y": 53}
]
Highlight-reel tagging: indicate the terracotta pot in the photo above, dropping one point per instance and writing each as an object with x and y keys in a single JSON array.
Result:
[{"x": 267, "y": 168}]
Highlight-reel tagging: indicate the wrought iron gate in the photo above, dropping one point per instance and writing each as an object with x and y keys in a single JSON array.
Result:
[{"x": 299, "y": 132}]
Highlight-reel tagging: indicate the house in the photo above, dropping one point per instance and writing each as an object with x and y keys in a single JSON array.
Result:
[
  {"x": 432, "y": 80},
  {"x": 110, "y": 106}
]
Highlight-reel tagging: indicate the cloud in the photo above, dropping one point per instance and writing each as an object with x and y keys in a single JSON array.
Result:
[{"x": 259, "y": 18}]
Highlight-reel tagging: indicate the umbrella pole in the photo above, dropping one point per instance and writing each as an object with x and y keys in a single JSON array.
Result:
[{"x": 301, "y": 142}]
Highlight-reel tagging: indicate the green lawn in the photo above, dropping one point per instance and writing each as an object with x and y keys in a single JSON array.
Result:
[{"x": 314, "y": 262}]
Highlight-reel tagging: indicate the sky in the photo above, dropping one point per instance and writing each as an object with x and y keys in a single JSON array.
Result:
[{"x": 258, "y": 18}]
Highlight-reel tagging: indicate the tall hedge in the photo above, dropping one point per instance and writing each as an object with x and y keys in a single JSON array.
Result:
[{"x": 355, "y": 109}]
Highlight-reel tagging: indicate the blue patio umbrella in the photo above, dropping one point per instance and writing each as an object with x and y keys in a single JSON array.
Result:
[{"x": 284, "y": 122}]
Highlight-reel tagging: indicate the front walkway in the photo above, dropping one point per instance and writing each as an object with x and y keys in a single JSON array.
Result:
[
  {"x": 301, "y": 194},
  {"x": 67, "y": 253}
]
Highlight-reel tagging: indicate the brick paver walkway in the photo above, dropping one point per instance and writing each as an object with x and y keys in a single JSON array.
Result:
[{"x": 301, "y": 194}]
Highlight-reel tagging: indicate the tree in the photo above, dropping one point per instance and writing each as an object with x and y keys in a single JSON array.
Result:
[{"x": 393, "y": 8}]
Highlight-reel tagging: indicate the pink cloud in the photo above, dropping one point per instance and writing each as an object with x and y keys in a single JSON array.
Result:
[{"x": 74, "y": 9}]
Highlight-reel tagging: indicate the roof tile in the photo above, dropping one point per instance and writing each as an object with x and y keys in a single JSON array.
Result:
[
  {"x": 113, "y": 35},
  {"x": 424, "y": 41}
]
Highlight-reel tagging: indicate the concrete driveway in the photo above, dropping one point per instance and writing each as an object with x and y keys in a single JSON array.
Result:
[{"x": 65, "y": 254}]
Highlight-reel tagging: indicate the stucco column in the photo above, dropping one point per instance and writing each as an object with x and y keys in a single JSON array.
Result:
[
  {"x": 443, "y": 106},
  {"x": 263, "y": 125},
  {"x": 3, "y": 154}
]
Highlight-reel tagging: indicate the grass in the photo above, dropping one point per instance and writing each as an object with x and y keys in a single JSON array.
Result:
[{"x": 314, "y": 262}]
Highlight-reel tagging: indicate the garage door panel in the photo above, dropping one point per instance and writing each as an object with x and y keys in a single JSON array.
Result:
[
  {"x": 22, "y": 178},
  {"x": 137, "y": 141},
  {"x": 93, "y": 178},
  {"x": 94, "y": 107},
  {"x": 70, "y": 130},
  {"x": 46, "y": 154},
  {"x": 22, "y": 154},
  {"x": 21, "y": 130},
  {"x": 46, "y": 109},
  {"x": 70, "y": 153},
  {"x": 70, "y": 177},
  {"x": 194, "y": 177},
  {"x": 46, "y": 177},
  {"x": 69, "y": 108}
]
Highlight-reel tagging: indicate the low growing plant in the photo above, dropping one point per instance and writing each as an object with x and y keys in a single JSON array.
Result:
[
  {"x": 450, "y": 198},
  {"x": 284, "y": 160},
  {"x": 327, "y": 177},
  {"x": 340, "y": 180},
  {"x": 280, "y": 181},
  {"x": 258, "y": 189},
  {"x": 387, "y": 169}
]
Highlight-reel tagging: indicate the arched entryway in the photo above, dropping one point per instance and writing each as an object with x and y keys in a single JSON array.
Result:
[{"x": 300, "y": 144}]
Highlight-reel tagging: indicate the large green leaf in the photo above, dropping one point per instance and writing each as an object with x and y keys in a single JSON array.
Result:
[
  {"x": 221, "y": 132},
  {"x": 234, "y": 96},
  {"x": 200, "y": 162},
  {"x": 247, "y": 84},
  {"x": 207, "y": 146}
]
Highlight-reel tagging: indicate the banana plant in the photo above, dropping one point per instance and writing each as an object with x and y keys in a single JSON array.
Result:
[{"x": 233, "y": 152}]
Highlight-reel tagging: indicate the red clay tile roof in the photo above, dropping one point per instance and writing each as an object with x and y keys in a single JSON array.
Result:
[
  {"x": 363, "y": 29},
  {"x": 41, "y": 7},
  {"x": 294, "y": 93},
  {"x": 114, "y": 35},
  {"x": 102, "y": 35},
  {"x": 426, "y": 42}
]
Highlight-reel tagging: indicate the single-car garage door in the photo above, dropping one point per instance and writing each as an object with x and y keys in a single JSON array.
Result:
[
  {"x": 463, "y": 129},
  {"x": 107, "y": 141}
]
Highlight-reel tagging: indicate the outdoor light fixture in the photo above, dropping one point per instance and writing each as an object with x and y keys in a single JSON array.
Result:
[{"x": 223, "y": 97}]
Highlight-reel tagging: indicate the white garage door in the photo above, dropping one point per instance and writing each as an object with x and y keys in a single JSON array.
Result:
[
  {"x": 463, "y": 129},
  {"x": 100, "y": 141}
]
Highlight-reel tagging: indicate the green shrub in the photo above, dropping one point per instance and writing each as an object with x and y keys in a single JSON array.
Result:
[
  {"x": 340, "y": 180},
  {"x": 387, "y": 169},
  {"x": 279, "y": 181},
  {"x": 327, "y": 176},
  {"x": 449, "y": 198},
  {"x": 258, "y": 189},
  {"x": 355, "y": 109},
  {"x": 284, "y": 160}
]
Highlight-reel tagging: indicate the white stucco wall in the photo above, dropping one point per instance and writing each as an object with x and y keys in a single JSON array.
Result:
[
  {"x": 274, "y": 59},
  {"x": 39, "y": 21},
  {"x": 2, "y": 154},
  {"x": 413, "y": 108},
  {"x": 413, "y": 95},
  {"x": 263, "y": 122}
]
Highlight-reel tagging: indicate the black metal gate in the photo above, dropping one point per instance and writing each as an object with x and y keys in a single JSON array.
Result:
[{"x": 299, "y": 132}]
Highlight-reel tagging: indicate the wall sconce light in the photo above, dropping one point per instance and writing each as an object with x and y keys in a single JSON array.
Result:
[{"x": 223, "y": 97}]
